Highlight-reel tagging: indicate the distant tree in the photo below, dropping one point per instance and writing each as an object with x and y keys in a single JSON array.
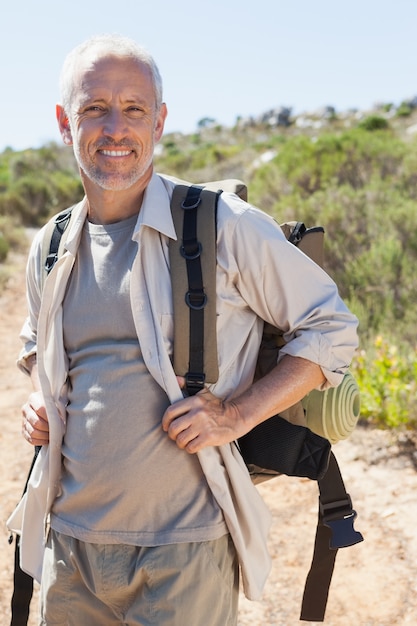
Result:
[
  {"x": 404, "y": 110},
  {"x": 206, "y": 122},
  {"x": 374, "y": 122}
]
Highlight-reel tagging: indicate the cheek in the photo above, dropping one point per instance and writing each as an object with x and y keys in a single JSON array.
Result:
[
  {"x": 86, "y": 131},
  {"x": 83, "y": 140}
]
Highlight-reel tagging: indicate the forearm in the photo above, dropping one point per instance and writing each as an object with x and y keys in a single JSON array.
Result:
[
  {"x": 285, "y": 385},
  {"x": 205, "y": 420}
]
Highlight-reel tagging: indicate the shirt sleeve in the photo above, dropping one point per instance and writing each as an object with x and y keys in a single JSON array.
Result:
[
  {"x": 28, "y": 334},
  {"x": 287, "y": 289}
]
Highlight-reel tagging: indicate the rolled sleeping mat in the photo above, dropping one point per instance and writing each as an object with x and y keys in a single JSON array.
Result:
[{"x": 334, "y": 413}]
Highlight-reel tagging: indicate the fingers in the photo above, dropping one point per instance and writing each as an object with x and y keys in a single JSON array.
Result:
[
  {"x": 185, "y": 434},
  {"x": 178, "y": 416},
  {"x": 199, "y": 421},
  {"x": 35, "y": 427},
  {"x": 175, "y": 421}
]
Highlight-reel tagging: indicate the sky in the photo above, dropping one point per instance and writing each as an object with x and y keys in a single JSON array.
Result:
[{"x": 219, "y": 59}]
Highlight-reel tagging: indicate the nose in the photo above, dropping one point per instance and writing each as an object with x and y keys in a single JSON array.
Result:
[{"x": 115, "y": 125}]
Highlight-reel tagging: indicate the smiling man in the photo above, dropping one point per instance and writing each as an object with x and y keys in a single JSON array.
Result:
[
  {"x": 139, "y": 509},
  {"x": 112, "y": 115}
]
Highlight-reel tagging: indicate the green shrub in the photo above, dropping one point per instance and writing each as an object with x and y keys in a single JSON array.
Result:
[
  {"x": 404, "y": 110},
  {"x": 387, "y": 379},
  {"x": 4, "y": 248},
  {"x": 352, "y": 158},
  {"x": 36, "y": 199},
  {"x": 13, "y": 232},
  {"x": 374, "y": 122}
]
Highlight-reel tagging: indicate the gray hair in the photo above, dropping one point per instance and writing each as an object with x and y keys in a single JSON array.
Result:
[{"x": 116, "y": 45}]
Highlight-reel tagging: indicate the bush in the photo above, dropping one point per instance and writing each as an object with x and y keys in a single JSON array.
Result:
[
  {"x": 374, "y": 122},
  {"x": 388, "y": 384},
  {"x": 353, "y": 158},
  {"x": 13, "y": 232},
  {"x": 404, "y": 110},
  {"x": 4, "y": 248},
  {"x": 36, "y": 199}
]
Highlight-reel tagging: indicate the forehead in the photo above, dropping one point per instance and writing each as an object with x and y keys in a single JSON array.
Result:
[{"x": 106, "y": 76}]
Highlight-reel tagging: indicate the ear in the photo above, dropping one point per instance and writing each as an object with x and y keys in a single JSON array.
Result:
[
  {"x": 160, "y": 122},
  {"x": 64, "y": 125}
]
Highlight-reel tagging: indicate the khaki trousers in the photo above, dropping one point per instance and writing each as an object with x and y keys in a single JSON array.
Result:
[{"x": 189, "y": 584}]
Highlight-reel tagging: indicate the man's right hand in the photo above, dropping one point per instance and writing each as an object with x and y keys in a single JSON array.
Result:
[{"x": 35, "y": 427}]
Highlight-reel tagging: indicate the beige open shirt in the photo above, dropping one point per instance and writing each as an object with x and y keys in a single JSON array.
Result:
[{"x": 259, "y": 276}]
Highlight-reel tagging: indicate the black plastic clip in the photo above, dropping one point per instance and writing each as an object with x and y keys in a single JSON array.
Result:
[
  {"x": 50, "y": 261},
  {"x": 62, "y": 219},
  {"x": 339, "y": 517},
  {"x": 194, "y": 382},
  {"x": 298, "y": 233},
  {"x": 192, "y": 199},
  {"x": 196, "y": 300},
  {"x": 191, "y": 250},
  {"x": 61, "y": 223}
]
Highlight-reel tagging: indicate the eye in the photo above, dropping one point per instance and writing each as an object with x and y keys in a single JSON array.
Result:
[
  {"x": 135, "y": 110},
  {"x": 94, "y": 108}
]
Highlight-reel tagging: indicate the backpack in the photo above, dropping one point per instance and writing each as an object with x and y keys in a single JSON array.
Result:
[{"x": 276, "y": 446}]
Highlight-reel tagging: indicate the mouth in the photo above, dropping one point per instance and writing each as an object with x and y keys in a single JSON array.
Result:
[{"x": 116, "y": 153}]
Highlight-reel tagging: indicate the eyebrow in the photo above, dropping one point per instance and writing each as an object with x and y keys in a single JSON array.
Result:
[{"x": 100, "y": 99}]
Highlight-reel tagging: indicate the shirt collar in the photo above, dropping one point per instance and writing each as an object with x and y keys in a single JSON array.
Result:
[
  {"x": 154, "y": 213},
  {"x": 156, "y": 208}
]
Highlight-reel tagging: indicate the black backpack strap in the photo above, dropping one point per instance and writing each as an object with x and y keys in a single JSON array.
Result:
[
  {"x": 334, "y": 530},
  {"x": 22, "y": 591},
  {"x": 193, "y": 273},
  {"x": 195, "y": 297},
  {"x": 22, "y": 582},
  {"x": 60, "y": 224}
]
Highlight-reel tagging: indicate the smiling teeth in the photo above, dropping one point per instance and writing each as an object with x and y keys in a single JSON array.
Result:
[{"x": 116, "y": 153}]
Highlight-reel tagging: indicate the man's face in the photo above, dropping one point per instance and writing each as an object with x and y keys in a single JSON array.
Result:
[{"x": 113, "y": 124}]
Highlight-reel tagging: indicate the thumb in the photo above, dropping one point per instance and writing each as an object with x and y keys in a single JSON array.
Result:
[{"x": 181, "y": 381}]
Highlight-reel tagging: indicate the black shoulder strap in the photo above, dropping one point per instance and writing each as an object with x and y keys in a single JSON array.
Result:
[
  {"x": 58, "y": 225},
  {"x": 334, "y": 530},
  {"x": 22, "y": 582},
  {"x": 193, "y": 278}
]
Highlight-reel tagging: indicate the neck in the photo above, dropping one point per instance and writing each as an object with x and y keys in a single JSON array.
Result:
[{"x": 107, "y": 206}]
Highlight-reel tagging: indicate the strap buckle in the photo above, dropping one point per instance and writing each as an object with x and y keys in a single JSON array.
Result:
[
  {"x": 339, "y": 517},
  {"x": 191, "y": 250},
  {"x": 50, "y": 261},
  {"x": 194, "y": 382},
  {"x": 193, "y": 198},
  {"x": 196, "y": 299}
]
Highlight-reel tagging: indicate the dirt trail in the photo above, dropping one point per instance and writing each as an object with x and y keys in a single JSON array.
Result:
[{"x": 375, "y": 582}]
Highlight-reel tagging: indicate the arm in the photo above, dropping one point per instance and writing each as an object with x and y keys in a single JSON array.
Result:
[
  {"x": 283, "y": 287},
  {"x": 204, "y": 420},
  {"x": 35, "y": 428}
]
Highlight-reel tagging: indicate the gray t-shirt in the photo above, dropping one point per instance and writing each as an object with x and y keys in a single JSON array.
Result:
[{"x": 123, "y": 479}]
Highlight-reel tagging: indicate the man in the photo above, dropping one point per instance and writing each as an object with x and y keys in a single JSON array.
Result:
[{"x": 145, "y": 506}]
